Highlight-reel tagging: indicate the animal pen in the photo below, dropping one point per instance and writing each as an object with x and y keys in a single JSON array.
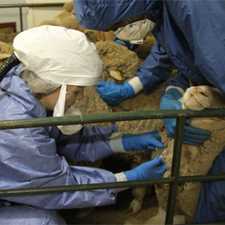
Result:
[{"x": 174, "y": 180}]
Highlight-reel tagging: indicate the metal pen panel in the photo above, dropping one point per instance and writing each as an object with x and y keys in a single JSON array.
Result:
[
  {"x": 175, "y": 171},
  {"x": 31, "y": 5},
  {"x": 109, "y": 117},
  {"x": 21, "y": 18},
  {"x": 20, "y": 6},
  {"x": 89, "y": 187},
  {"x": 174, "y": 180}
]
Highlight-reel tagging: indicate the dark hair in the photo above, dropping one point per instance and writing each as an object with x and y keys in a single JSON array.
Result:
[{"x": 7, "y": 65}]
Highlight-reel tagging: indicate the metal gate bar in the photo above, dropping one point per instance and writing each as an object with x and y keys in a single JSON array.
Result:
[
  {"x": 110, "y": 117},
  {"x": 31, "y": 5},
  {"x": 20, "y": 6},
  {"x": 89, "y": 187},
  {"x": 174, "y": 180},
  {"x": 175, "y": 171}
]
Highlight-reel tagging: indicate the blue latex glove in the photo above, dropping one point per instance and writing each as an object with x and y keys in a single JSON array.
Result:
[
  {"x": 146, "y": 141},
  {"x": 153, "y": 169},
  {"x": 112, "y": 93},
  {"x": 192, "y": 135}
]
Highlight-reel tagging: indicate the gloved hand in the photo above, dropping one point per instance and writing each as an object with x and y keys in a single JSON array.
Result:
[
  {"x": 153, "y": 169},
  {"x": 112, "y": 93},
  {"x": 192, "y": 135},
  {"x": 146, "y": 141}
]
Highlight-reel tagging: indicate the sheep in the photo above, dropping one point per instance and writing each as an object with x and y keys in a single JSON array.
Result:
[
  {"x": 123, "y": 62},
  {"x": 66, "y": 18},
  {"x": 5, "y": 50},
  {"x": 195, "y": 160}
]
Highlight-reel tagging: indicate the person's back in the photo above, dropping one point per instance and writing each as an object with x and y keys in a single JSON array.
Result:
[{"x": 192, "y": 33}]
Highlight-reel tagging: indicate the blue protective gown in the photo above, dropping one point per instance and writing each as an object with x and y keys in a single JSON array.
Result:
[
  {"x": 191, "y": 36},
  {"x": 102, "y": 14},
  {"x": 37, "y": 157},
  {"x": 25, "y": 215},
  {"x": 211, "y": 207}
]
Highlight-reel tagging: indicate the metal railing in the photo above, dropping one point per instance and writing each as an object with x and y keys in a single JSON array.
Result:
[
  {"x": 175, "y": 178},
  {"x": 27, "y": 5},
  {"x": 180, "y": 116}
]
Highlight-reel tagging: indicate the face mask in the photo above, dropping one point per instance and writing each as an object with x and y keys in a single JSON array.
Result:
[
  {"x": 71, "y": 129},
  {"x": 59, "y": 110},
  {"x": 135, "y": 32}
]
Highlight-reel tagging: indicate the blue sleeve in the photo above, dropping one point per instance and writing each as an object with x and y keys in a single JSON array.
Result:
[
  {"x": 211, "y": 202},
  {"x": 184, "y": 81},
  {"x": 103, "y": 14},
  {"x": 26, "y": 215},
  {"x": 156, "y": 68},
  {"x": 90, "y": 144},
  {"x": 35, "y": 163},
  {"x": 180, "y": 80},
  {"x": 202, "y": 23}
]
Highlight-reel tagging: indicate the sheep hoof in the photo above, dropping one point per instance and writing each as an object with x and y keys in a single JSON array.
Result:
[{"x": 135, "y": 206}]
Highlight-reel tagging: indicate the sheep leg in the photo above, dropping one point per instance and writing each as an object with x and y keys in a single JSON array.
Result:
[{"x": 137, "y": 202}]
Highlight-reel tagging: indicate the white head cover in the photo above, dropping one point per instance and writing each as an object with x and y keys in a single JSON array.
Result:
[
  {"x": 61, "y": 56},
  {"x": 135, "y": 32}
]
